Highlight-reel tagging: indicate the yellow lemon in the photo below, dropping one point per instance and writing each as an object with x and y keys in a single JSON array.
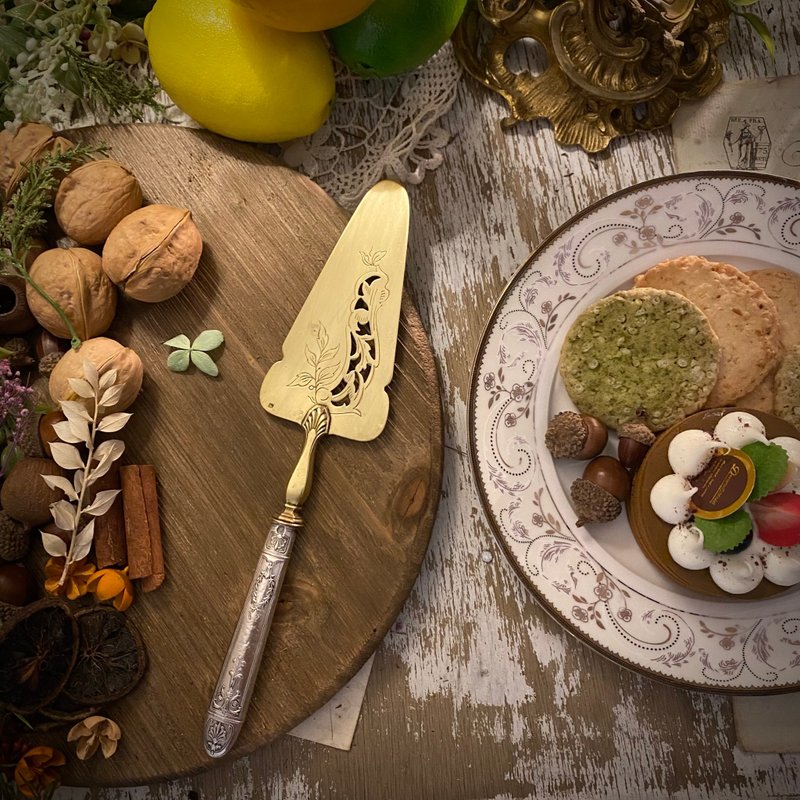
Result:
[
  {"x": 235, "y": 75},
  {"x": 305, "y": 15}
]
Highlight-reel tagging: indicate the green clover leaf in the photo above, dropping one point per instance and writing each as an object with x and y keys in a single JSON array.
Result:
[{"x": 195, "y": 352}]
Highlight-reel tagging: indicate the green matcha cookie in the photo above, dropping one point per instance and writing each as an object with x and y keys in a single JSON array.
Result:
[
  {"x": 645, "y": 354},
  {"x": 787, "y": 387}
]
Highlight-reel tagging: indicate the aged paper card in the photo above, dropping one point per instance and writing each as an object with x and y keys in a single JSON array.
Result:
[{"x": 747, "y": 125}]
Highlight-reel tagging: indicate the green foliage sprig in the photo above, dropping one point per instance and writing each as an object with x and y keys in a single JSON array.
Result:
[
  {"x": 56, "y": 53},
  {"x": 758, "y": 24},
  {"x": 23, "y": 216}
]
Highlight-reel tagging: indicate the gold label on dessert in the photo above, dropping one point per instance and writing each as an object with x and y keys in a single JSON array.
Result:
[{"x": 724, "y": 485}]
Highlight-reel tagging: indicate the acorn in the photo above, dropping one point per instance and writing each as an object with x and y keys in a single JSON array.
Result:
[
  {"x": 635, "y": 439},
  {"x": 598, "y": 496},
  {"x": 574, "y": 435}
]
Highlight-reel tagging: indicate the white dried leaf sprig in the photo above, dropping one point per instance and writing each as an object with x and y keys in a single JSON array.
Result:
[{"x": 83, "y": 422}]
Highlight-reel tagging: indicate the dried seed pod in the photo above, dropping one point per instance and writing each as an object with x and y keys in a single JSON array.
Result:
[
  {"x": 635, "y": 439},
  {"x": 105, "y": 354},
  {"x": 14, "y": 538},
  {"x": 574, "y": 435},
  {"x": 74, "y": 278},
  {"x": 93, "y": 198},
  {"x": 153, "y": 253}
]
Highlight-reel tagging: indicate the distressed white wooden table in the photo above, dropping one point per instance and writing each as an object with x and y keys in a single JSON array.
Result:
[{"x": 476, "y": 693}]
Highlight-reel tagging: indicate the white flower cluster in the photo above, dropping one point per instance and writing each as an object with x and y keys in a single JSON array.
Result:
[{"x": 36, "y": 88}]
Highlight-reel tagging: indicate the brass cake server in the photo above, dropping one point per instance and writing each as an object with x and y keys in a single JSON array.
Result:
[{"x": 338, "y": 359}]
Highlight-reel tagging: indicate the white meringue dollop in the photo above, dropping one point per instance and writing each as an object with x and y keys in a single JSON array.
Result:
[
  {"x": 782, "y": 565},
  {"x": 737, "y": 574},
  {"x": 740, "y": 428},
  {"x": 690, "y": 452},
  {"x": 791, "y": 481},
  {"x": 670, "y": 498},
  {"x": 685, "y": 545}
]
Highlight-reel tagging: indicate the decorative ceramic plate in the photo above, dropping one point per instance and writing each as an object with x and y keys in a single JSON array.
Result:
[{"x": 596, "y": 581}]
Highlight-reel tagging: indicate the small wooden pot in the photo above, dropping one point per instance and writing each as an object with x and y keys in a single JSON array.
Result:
[{"x": 15, "y": 316}]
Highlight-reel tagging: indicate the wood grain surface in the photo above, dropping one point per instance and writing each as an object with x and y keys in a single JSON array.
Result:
[
  {"x": 476, "y": 694},
  {"x": 223, "y": 463}
]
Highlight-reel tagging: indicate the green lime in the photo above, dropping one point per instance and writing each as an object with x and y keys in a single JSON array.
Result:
[{"x": 395, "y": 36}]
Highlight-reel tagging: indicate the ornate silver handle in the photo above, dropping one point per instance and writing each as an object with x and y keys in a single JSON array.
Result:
[
  {"x": 235, "y": 684},
  {"x": 237, "y": 678}
]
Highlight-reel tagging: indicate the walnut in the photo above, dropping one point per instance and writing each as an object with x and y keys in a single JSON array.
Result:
[
  {"x": 105, "y": 354},
  {"x": 153, "y": 253},
  {"x": 93, "y": 198},
  {"x": 21, "y": 147},
  {"x": 74, "y": 278}
]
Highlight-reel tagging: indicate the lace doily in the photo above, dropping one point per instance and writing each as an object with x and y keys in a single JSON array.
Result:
[{"x": 379, "y": 127}]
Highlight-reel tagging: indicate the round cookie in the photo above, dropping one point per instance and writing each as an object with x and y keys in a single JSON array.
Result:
[
  {"x": 644, "y": 354},
  {"x": 740, "y": 312},
  {"x": 783, "y": 288},
  {"x": 787, "y": 387}
]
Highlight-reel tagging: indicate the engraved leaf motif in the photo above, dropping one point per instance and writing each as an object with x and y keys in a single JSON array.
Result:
[{"x": 302, "y": 379}]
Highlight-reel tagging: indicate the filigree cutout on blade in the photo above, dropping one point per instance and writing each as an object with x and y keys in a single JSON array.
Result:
[{"x": 330, "y": 380}]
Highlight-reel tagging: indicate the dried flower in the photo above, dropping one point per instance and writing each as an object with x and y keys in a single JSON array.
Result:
[
  {"x": 82, "y": 426},
  {"x": 36, "y": 770},
  {"x": 14, "y": 408},
  {"x": 71, "y": 581},
  {"x": 131, "y": 44},
  {"x": 93, "y": 733},
  {"x": 112, "y": 584}
]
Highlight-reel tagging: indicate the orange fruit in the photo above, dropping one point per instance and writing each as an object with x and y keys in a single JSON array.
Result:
[{"x": 305, "y": 15}]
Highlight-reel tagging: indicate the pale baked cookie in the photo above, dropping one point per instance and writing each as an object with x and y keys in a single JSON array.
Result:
[
  {"x": 783, "y": 288},
  {"x": 740, "y": 312},
  {"x": 643, "y": 354},
  {"x": 762, "y": 398},
  {"x": 787, "y": 387}
]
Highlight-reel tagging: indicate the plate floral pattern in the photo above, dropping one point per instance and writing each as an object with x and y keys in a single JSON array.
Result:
[{"x": 620, "y": 608}]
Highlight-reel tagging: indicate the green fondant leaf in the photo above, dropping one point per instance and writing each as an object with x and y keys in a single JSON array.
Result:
[
  {"x": 208, "y": 340},
  {"x": 771, "y": 462},
  {"x": 724, "y": 534},
  {"x": 178, "y": 361},
  {"x": 204, "y": 363},
  {"x": 181, "y": 340}
]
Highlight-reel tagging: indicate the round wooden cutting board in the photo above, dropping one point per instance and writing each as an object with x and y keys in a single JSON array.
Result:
[{"x": 223, "y": 463}]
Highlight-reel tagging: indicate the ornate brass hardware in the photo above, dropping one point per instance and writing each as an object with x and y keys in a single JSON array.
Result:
[{"x": 614, "y": 67}]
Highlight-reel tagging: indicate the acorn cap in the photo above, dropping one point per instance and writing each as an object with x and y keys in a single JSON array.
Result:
[
  {"x": 637, "y": 431},
  {"x": 566, "y": 434},
  {"x": 48, "y": 362},
  {"x": 593, "y": 503}
]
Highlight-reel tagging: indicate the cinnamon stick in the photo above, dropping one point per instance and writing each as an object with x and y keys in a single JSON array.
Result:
[
  {"x": 147, "y": 474},
  {"x": 109, "y": 529},
  {"x": 137, "y": 529}
]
